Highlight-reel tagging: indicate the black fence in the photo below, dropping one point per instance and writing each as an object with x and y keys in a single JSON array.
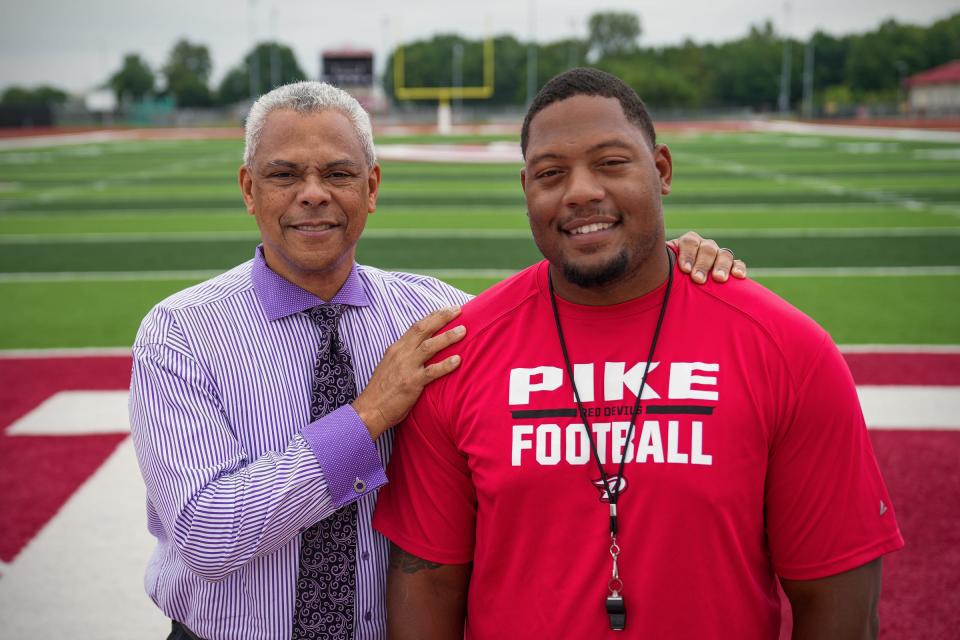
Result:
[{"x": 24, "y": 117}]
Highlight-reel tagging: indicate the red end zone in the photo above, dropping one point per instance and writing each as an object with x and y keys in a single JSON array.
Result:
[{"x": 39, "y": 473}]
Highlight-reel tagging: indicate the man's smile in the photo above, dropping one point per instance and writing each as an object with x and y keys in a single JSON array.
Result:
[
  {"x": 591, "y": 228},
  {"x": 313, "y": 227},
  {"x": 589, "y": 225}
]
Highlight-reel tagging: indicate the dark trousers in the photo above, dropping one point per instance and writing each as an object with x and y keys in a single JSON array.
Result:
[{"x": 180, "y": 632}]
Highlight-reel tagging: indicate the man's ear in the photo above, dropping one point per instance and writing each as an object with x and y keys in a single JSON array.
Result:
[
  {"x": 664, "y": 162},
  {"x": 246, "y": 187},
  {"x": 523, "y": 179},
  {"x": 373, "y": 185}
]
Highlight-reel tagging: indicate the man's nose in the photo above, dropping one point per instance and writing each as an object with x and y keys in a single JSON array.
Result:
[
  {"x": 583, "y": 187},
  {"x": 313, "y": 192}
]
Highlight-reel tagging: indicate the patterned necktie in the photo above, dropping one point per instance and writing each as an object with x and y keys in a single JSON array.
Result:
[{"x": 328, "y": 550}]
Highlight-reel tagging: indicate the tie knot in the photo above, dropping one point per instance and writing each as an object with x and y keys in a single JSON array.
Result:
[{"x": 326, "y": 315}]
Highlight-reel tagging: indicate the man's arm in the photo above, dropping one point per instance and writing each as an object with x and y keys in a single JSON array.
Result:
[
  {"x": 843, "y": 606},
  {"x": 221, "y": 507},
  {"x": 425, "y": 600}
]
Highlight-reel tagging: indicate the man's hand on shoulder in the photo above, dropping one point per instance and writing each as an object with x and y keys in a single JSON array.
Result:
[
  {"x": 698, "y": 256},
  {"x": 402, "y": 374}
]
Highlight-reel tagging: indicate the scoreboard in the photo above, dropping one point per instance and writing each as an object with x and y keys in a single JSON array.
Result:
[{"x": 347, "y": 68}]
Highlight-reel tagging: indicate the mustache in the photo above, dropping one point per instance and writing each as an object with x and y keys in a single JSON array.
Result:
[
  {"x": 589, "y": 211},
  {"x": 586, "y": 212}
]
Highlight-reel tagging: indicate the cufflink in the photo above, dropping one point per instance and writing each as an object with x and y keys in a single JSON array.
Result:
[{"x": 359, "y": 485}]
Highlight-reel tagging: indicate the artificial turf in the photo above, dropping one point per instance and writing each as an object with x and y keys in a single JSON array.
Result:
[{"x": 782, "y": 201}]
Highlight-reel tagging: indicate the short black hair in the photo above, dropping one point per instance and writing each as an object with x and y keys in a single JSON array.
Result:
[{"x": 589, "y": 82}]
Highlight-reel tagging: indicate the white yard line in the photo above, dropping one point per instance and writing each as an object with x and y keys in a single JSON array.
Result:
[
  {"x": 120, "y": 237},
  {"x": 98, "y": 412},
  {"x": 77, "y": 352},
  {"x": 910, "y": 407},
  {"x": 109, "y": 276},
  {"x": 92, "y": 352},
  {"x": 482, "y": 153},
  {"x": 55, "y": 194},
  {"x": 145, "y": 276},
  {"x": 75, "y": 413},
  {"x": 212, "y": 236},
  {"x": 59, "y": 139},
  {"x": 900, "y": 348},
  {"x": 134, "y": 276},
  {"x": 845, "y": 272},
  {"x": 819, "y": 184},
  {"x": 97, "y": 589},
  {"x": 853, "y": 131}
]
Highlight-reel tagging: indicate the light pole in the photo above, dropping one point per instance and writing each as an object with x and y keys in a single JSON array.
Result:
[
  {"x": 274, "y": 50},
  {"x": 457, "y": 77},
  {"x": 808, "y": 79},
  {"x": 784, "y": 101},
  {"x": 532, "y": 54},
  {"x": 254, "y": 58}
]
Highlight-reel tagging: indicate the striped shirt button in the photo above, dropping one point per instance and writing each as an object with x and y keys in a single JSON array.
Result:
[{"x": 367, "y": 616}]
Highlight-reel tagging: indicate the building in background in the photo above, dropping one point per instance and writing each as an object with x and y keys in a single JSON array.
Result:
[
  {"x": 935, "y": 91},
  {"x": 352, "y": 71}
]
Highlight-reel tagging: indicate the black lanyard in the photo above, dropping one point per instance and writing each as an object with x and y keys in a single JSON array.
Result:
[{"x": 614, "y": 603}]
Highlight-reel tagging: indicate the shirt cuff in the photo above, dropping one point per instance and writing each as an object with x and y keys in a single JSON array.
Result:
[{"x": 346, "y": 453}]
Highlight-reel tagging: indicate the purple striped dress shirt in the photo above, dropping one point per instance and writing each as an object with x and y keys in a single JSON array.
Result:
[{"x": 234, "y": 470}]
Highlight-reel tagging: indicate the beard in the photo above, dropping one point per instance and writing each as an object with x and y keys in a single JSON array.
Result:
[{"x": 597, "y": 276}]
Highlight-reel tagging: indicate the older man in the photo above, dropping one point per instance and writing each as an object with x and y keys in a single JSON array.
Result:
[
  {"x": 261, "y": 400},
  {"x": 600, "y": 462}
]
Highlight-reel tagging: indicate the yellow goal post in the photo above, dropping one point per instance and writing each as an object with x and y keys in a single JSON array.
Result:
[{"x": 443, "y": 95}]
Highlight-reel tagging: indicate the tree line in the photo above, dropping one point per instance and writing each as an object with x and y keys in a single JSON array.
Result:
[
  {"x": 186, "y": 75},
  {"x": 745, "y": 72}
]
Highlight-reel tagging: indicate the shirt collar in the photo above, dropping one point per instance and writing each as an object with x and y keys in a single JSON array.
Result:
[{"x": 280, "y": 298}]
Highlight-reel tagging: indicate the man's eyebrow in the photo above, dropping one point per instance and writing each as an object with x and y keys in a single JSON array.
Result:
[
  {"x": 286, "y": 164},
  {"x": 605, "y": 144},
  {"x": 543, "y": 156},
  {"x": 345, "y": 162},
  {"x": 280, "y": 164},
  {"x": 612, "y": 142}
]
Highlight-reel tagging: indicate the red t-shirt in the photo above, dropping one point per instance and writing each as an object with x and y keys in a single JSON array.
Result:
[{"x": 750, "y": 458}]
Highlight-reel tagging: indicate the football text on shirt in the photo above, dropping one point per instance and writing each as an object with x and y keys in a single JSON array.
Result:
[{"x": 675, "y": 439}]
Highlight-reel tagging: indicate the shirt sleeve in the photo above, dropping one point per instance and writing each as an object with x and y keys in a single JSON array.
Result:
[
  {"x": 221, "y": 508},
  {"x": 429, "y": 507},
  {"x": 827, "y": 508},
  {"x": 346, "y": 453}
]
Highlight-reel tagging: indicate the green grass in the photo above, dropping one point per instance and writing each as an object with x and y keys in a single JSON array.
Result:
[
  {"x": 779, "y": 200},
  {"x": 77, "y": 314},
  {"x": 878, "y": 310},
  {"x": 417, "y": 253},
  {"x": 895, "y": 310}
]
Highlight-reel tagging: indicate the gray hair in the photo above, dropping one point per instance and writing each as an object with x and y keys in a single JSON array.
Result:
[{"x": 306, "y": 98}]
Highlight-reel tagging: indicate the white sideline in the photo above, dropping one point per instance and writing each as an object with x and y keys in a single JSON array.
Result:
[
  {"x": 75, "y": 413},
  {"x": 884, "y": 407},
  {"x": 210, "y": 236},
  {"x": 98, "y": 588},
  {"x": 198, "y": 275},
  {"x": 854, "y": 131},
  {"x": 57, "y": 588}
]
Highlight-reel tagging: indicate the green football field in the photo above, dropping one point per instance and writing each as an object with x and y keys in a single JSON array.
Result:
[{"x": 864, "y": 235}]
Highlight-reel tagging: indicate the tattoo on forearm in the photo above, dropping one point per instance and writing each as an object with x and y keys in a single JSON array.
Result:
[{"x": 409, "y": 563}]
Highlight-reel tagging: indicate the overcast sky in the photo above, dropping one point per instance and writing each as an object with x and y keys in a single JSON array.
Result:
[{"x": 77, "y": 44}]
